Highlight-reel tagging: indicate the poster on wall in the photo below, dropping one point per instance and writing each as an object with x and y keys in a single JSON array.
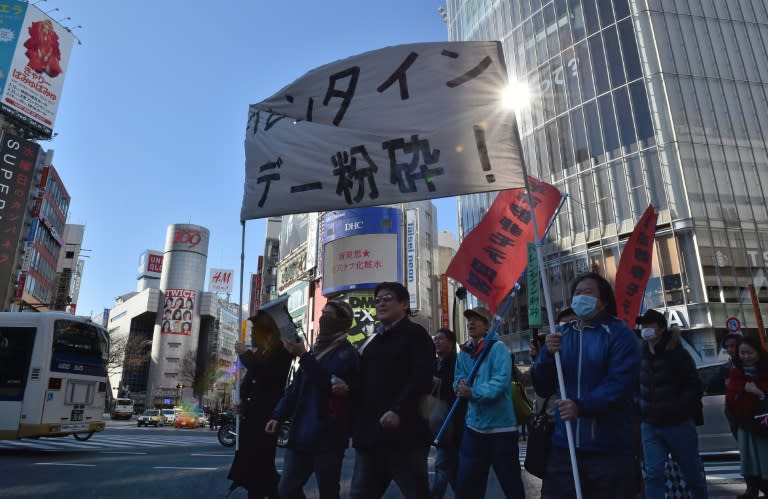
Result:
[
  {"x": 178, "y": 311},
  {"x": 364, "y": 324}
]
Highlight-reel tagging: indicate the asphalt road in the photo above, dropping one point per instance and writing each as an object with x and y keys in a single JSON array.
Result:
[{"x": 129, "y": 462}]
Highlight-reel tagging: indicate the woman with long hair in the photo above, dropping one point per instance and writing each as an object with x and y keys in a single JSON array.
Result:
[
  {"x": 747, "y": 389},
  {"x": 267, "y": 364}
]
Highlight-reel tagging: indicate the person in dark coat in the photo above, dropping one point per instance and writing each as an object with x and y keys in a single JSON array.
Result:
[
  {"x": 600, "y": 360},
  {"x": 670, "y": 407},
  {"x": 320, "y": 420},
  {"x": 267, "y": 370},
  {"x": 390, "y": 436},
  {"x": 447, "y": 456}
]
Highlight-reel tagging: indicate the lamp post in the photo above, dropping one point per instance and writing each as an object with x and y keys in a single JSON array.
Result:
[{"x": 179, "y": 388}]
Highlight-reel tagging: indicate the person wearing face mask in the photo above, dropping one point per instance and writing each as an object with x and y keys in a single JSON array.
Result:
[
  {"x": 744, "y": 398},
  {"x": 320, "y": 418},
  {"x": 600, "y": 360},
  {"x": 670, "y": 407}
]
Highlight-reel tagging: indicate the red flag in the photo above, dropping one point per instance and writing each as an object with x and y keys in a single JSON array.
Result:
[
  {"x": 493, "y": 255},
  {"x": 635, "y": 268}
]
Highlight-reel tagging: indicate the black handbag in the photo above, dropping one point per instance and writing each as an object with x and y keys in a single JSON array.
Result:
[
  {"x": 284, "y": 433},
  {"x": 539, "y": 442}
]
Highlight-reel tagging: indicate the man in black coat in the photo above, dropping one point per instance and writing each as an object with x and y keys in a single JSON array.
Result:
[
  {"x": 390, "y": 436},
  {"x": 670, "y": 407}
]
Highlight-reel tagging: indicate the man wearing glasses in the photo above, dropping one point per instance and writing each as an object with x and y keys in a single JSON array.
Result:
[{"x": 390, "y": 437}]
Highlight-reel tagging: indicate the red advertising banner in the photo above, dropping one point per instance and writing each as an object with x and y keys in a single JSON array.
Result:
[
  {"x": 256, "y": 288},
  {"x": 635, "y": 268},
  {"x": 444, "y": 322},
  {"x": 154, "y": 263},
  {"x": 493, "y": 255}
]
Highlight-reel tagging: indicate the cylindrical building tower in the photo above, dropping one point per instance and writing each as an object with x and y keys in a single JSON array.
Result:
[{"x": 176, "y": 334}]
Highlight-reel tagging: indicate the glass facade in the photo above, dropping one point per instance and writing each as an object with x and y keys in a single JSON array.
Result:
[{"x": 637, "y": 102}]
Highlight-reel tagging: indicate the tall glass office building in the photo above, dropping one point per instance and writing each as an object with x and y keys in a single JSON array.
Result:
[{"x": 635, "y": 102}]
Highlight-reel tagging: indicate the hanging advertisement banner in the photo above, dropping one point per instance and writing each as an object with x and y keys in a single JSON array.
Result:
[
  {"x": 32, "y": 90},
  {"x": 444, "y": 320},
  {"x": 411, "y": 261},
  {"x": 178, "y": 312}
]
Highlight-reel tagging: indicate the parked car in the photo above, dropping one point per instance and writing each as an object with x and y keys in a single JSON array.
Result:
[
  {"x": 187, "y": 420},
  {"x": 150, "y": 417},
  {"x": 202, "y": 419},
  {"x": 169, "y": 415}
]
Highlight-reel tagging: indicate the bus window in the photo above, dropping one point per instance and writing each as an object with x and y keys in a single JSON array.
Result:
[
  {"x": 16, "y": 344},
  {"x": 79, "y": 347}
]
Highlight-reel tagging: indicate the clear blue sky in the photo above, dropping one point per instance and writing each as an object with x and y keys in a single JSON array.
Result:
[{"x": 153, "y": 112}]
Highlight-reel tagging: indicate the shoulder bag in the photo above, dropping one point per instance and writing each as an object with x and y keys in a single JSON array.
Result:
[
  {"x": 284, "y": 428},
  {"x": 523, "y": 406},
  {"x": 539, "y": 442}
]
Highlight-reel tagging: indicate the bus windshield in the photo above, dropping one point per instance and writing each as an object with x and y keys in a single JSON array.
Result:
[{"x": 79, "y": 347}]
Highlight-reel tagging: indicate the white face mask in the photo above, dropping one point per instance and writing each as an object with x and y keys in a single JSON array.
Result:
[{"x": 648, "y": 333}]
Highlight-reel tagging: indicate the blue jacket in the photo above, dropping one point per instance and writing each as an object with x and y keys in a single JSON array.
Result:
[
  {"x": 491, "y": 404},
  {"x": 601, "y": 366},
  {"x": 321, "y": 422}
]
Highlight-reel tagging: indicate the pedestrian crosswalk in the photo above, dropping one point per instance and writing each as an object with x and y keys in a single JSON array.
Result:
[
  {"x": 101, "y": 441},
  {"x": 715, "y": 471}
]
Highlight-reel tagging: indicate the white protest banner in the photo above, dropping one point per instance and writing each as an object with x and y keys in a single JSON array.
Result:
[{"x": 394, "y": 125}]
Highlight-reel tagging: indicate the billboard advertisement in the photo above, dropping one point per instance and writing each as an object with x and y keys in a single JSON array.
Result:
[
  {"x": 151, "y": 264},
  {"x": 178, "y": 311},
  {"x": 35, "y": 76},
  {"x": 220, "y": 281},
  {"x": 11, "y": 20},
  {"x": 364, "y": 310},
  {"x": 189, "y": 238},
  {"x": 18, "y": 159},
  {"x": 293, "y": 232},
  {"x": 361, "y": 248}
]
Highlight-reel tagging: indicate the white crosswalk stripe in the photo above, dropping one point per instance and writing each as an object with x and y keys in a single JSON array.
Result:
[
  {"x": 99, "y": 441},
  {"x": 715, "y": 471}
]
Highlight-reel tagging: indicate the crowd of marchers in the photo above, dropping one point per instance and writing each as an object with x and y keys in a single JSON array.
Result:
[{"x": 628, "y": 406}]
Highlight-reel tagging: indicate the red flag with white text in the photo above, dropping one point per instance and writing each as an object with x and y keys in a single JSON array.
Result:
[
  {"x": 635, "y": 268},
  {"x": 494, "y": 254}
]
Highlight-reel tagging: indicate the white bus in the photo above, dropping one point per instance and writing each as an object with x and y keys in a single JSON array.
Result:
[
  {"x": 53, "y": 375},
  {"x": 122, "y": 409}
]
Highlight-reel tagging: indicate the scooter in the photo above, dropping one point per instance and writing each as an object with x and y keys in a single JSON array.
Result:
[{"x": 227, "y": 433}]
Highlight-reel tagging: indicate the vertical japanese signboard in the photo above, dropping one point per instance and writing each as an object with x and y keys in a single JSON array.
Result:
[
  {"x": 256, "y": 288},
  {"x": 18, "y": 159},
  {"x": 534, "y": 287},
  {"x": 411, "y": 260},
  {"x": 444, "y": 320}
]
